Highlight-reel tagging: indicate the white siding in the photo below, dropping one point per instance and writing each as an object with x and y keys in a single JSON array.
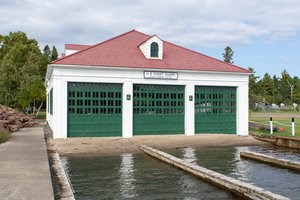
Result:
[
  {"x": 70, "y": 51},
  {"x": 63, "y": 74},
  {"x": 145, "y": 47}
]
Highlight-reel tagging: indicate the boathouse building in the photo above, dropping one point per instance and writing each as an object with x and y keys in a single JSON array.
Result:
[{"x": 137, "y": 84}]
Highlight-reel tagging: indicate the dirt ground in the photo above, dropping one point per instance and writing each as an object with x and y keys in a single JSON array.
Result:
[{"x": 117, "y": 145}]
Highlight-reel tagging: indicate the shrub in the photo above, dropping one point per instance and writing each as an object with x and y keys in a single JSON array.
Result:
[{"x": 4, "y": 136}]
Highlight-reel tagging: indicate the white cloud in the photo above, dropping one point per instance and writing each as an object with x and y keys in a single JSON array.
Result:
[{"x": 197, "y": 22}]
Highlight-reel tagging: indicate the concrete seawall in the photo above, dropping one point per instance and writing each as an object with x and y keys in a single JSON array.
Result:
[
  {"x": 288, "y": 164},
  {"x": 289, "y": 142},
  {"x": 63, "y": 189},
  {"x": 241, "y": 189}
]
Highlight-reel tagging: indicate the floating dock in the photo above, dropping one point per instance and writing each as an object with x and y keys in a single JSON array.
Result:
[{"x": 239, "y": 188}]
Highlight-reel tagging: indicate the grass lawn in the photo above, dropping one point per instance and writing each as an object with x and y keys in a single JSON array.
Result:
[
  {"x": 4, "y": 136},
  {"x": 279, "y": 122},
  {"x": 41, "y": 115}
]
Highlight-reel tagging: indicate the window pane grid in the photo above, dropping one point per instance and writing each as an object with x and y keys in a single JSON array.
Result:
[
  {"x": 215, "y": 105},
  {"x": 158, "y": 109},
  {"x": 94, "y": 98}
]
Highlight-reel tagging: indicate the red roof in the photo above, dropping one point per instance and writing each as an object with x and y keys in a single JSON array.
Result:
[
  {"x": 123, "y": 51},
  {"x": 76, "y": 46}
]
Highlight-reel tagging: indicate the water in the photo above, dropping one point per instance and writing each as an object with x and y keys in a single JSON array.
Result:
[
  {"x": 138, "y": 176},
  {"x": 227, "y": 161}
]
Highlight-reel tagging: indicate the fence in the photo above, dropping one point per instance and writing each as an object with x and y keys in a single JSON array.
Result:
[{"x": 283, "y": 126}]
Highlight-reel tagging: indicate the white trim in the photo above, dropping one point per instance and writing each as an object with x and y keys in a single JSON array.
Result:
[
  {"x": 189, "y": 110},
  {"x": 145, "y": 48},
  {"x": 127, "y": 110},
  {"x": 59, "y": 75},
  {"x": 143, "y": 69}
]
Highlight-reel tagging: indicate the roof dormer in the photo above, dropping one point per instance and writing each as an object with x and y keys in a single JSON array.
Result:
[{"x": 152, "y": 48}]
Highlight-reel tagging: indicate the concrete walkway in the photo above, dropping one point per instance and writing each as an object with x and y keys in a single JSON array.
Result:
[{"x": 24, "y": 168}]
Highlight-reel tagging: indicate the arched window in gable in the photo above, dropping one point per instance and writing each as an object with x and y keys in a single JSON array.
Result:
[{"x": 154, "y": 50}]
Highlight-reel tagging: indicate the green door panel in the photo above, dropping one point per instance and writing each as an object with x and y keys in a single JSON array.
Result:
[
  {"x": 215, "y": 109},
  {"x": 158, "y": 109},
  {"x": 94, "y": 109}
]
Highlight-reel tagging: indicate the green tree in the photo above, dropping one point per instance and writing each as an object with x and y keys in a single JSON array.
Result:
[
  {"x": 32, "y": 95},
  {"x": 228, "y": 55},
  {"x": 286, "y": 88},
  {"x": 267, "y": 88},
  {"x": 296, "y": 95},
  {"x": 22, "y": 66},
  {"x": 54, "y": 54},
  {"x": 253, "y": 88},
  {"x": 47, "y": 53},
  {"x": 277, "y": 97}
]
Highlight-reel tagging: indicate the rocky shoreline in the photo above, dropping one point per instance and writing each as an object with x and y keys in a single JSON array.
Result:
[{"x": 12, "y": 120}]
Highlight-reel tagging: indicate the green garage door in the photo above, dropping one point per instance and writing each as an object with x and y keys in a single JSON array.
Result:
[
  {"x": 94, "y": 109},
  {"x": 158, "y": 109},
  {"x": 215, "y": 109}
]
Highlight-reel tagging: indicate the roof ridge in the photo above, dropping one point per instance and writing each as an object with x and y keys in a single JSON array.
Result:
[
  {"x": 205, "y": 55},
  {"x": 79, "y": 44},
  {"x": 149, "y": 38},
  {"x": 92, "y": 46}
]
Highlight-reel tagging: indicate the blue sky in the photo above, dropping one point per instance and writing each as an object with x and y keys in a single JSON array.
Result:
[{"x": 264, "y": 35}]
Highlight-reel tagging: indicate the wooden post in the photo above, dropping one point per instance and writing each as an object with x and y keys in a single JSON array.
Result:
[
  {"x": 271, "y": 125},
  {"x": 293, "y": 127}
]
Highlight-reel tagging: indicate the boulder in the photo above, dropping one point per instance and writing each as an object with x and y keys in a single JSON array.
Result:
[
  {"x": 25, "y": 119},
  {"x": 18, "y": 123},
  {"x": 3, "y": 108},
  {"x": 3, "y": 123},
  {"x": 29, "y": 124},
  {"x": 10, "y": 112},
  {"x": 13, "y": 128},
  {"x": 12, "y": 120}
]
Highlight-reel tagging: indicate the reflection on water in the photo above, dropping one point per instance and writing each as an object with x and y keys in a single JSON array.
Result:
[
  {"x": 241, "y": 169},
  {"x": 189, "y": 154},
  {"x": 188, "y": 185},
  {"x": 127, "y": 180},
  {"x": 227, "y": 161},
  {"x": 138, "y": 176}
]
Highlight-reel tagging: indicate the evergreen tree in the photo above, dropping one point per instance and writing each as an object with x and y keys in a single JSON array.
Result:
[
  {"x": 277, "y": 98},
  {"x": 253, "y": 88},
  {"x": 228, "y": 55},
  {"x": 286, "y": 87},
  {"x": 54, "y": 54},
  {"x": 47, "y": 53},
  {"x": 296, "y": 94},
  {"x": 267, "y": 88}
]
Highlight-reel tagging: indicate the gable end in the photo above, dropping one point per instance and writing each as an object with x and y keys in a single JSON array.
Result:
[{"x": 152, "y": 48}]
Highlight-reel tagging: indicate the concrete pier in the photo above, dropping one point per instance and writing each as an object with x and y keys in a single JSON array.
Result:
[
  {"x": 288, "y": 164},
  {"x": 289, "y": 142},
  {"x": 241, "y": 189},
  {"x": 24, "y": 167},
  {"x": 62, "y": 186}
]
